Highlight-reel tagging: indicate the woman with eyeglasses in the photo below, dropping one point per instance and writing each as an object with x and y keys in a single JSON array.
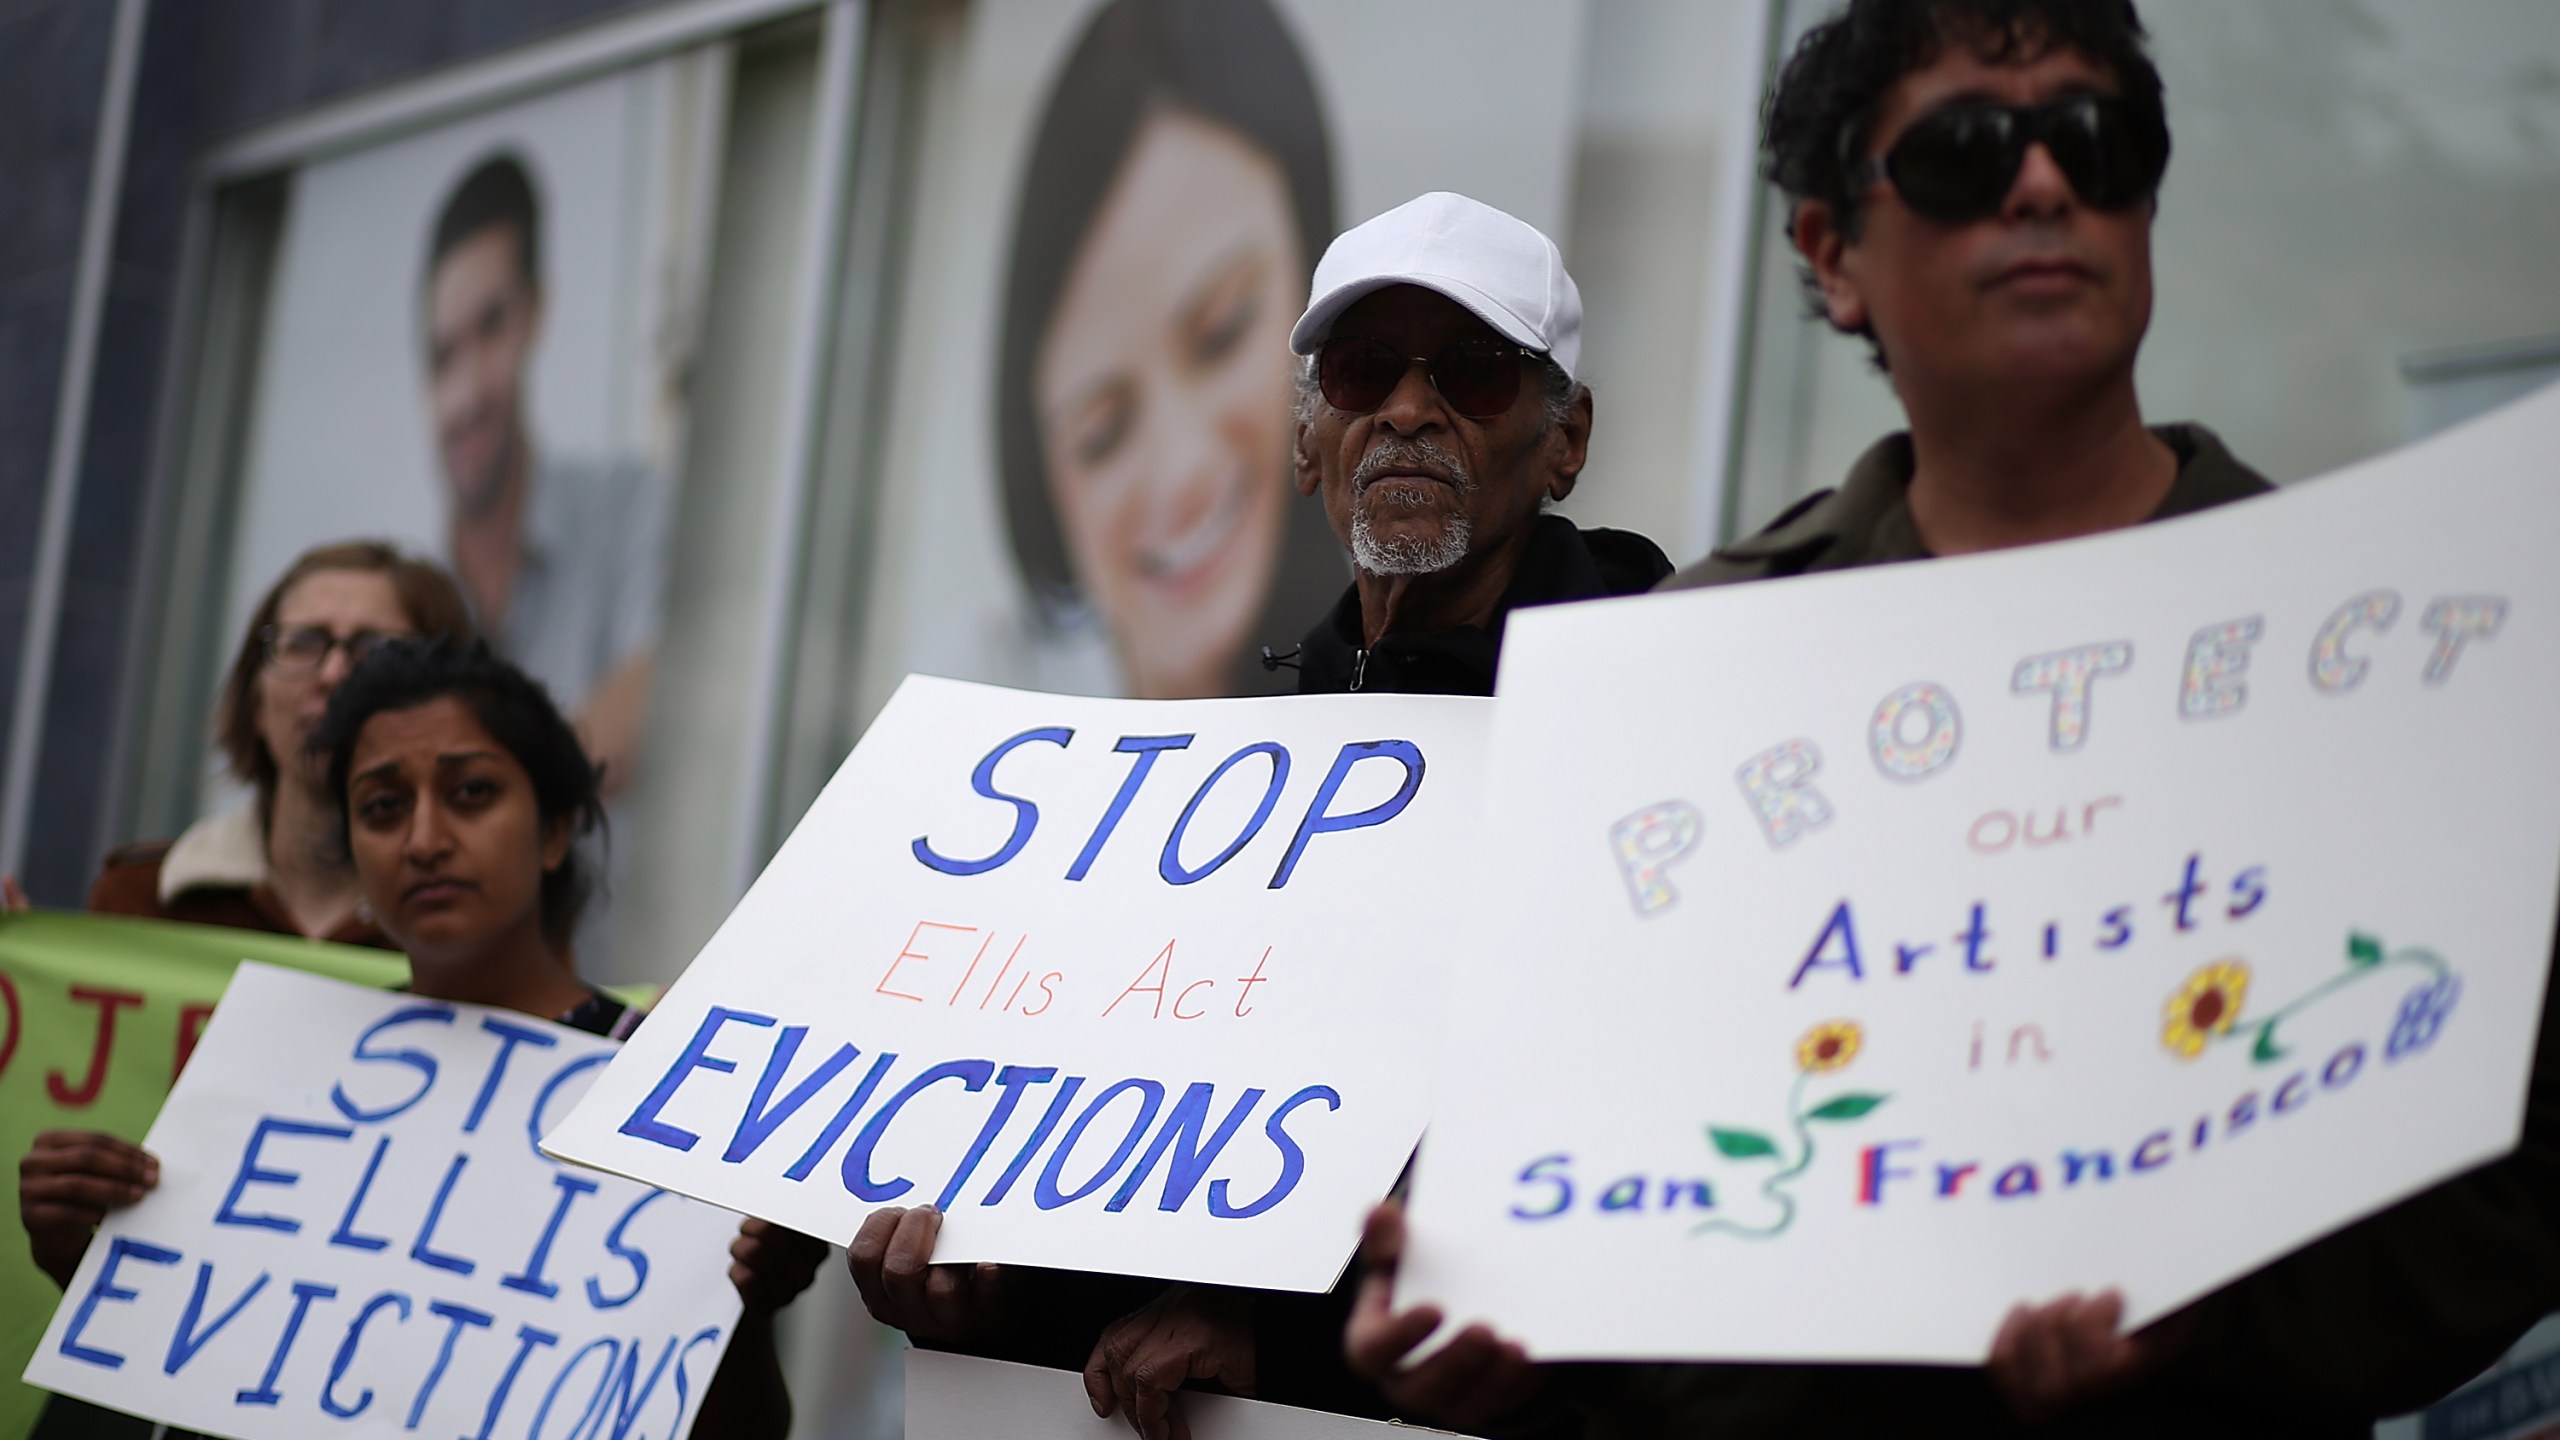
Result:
[{"x": 276, "y": 864}]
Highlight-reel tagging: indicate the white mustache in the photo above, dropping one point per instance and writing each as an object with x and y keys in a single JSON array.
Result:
[{"x": 1406, "y": 455}]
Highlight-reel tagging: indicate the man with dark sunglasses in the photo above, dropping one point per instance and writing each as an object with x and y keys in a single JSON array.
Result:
[
  {"x": 1971, "y": 187},
  {"x": 1438, "y": 417}
]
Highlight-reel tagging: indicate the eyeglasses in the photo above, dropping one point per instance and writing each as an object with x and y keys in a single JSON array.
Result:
[
  {"x": 1957, "y": 164},
  {"x": 303, "y": 649},
  {"x": 1478, "y": 378}
]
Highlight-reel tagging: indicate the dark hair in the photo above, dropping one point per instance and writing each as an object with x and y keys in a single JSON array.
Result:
[
  {"x": 1230, "y": 62},
  {"x": 498, "y": 191},
  {"x": 516, "y": 711},
  {"x": 427, "y": 596},
  {"x": 1822, "y": 111}
]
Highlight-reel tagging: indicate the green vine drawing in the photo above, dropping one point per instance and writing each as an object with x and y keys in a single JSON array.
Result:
[
  {"x": 1827, "y": 1047},
  {"x": 2366, "y": 958}
]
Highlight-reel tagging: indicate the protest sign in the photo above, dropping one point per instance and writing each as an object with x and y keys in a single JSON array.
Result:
[
  {"x": 1915, "y": 941},
  {"x": 354, "y": 1231},
  {"x": 960, "y": 1397},
  {"x": 97, "y": 1014},
  {"x": 1119, "y": 985}
]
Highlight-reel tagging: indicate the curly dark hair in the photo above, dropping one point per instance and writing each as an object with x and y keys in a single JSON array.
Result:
[
  {"x": 516, "y": 711},
  {"x": 1822, "y": 111}
]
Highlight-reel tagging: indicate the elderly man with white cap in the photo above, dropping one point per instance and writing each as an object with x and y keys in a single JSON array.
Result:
[{"x": 1438, "y": 416}]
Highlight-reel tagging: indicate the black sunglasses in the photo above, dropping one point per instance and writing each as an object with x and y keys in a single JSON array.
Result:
[
  {"x": 1958, "y": 164},
  {"x": 1479, "y": 378}
]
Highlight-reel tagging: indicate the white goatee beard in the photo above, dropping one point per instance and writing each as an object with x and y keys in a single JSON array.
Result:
[
  {"x": 1406, "y": 555},
  {"x": 1403, "y": 556}
]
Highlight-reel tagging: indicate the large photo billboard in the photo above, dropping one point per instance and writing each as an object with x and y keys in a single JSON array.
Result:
[
  {"x": 477, "y": 345},
  {"x": 1088, "y": 481}
]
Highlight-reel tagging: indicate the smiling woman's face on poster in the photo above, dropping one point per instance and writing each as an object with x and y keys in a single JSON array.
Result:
[
  {"x": 1162, "y": 390},
  {"x": 1179, "y": 184}
]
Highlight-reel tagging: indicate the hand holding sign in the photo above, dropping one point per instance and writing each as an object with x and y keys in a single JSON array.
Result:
[
  {"x": 771, "y": 1265},
  {"x": 68, "y": 1182},
  {"x": 2049, "y": 1359},
  {"x": 1476, "y": 1379},
  {"x": 891, "y": 1259},
  {"x": 1188, "y": 1334}
]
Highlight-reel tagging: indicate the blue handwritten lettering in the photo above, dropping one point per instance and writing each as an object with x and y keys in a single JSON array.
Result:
[
  {"x": 304, "y": 1292},
  {"x": 1293, "y": 1161},
  {"x": 347, "y": 1354},
  {"x": 250, "y": 1173},
  {"x": 1191, "y": 1161},
  {"x": 1170, "y": 866},
  {"x": 758, "y": 1122},
  {"x": 1147, "y": 748},
  {"x": 455, "y": 1317},
  {"x": 1045, "y": 1192},
  {"x": 1321, "y": 821},
  {"x": 423, "y": 1248},
  {"x": 644, "y": 1123},
  {"x": 105, "y": 1288},
  {"x": 418, "y": 1060},
  {"x": 1026, "y": 816},
  {"x": 630, "y": 1255},
  {"x": 510, "y": 1035},
  {"x": 973, "y": 1076},
  {"x": 187, "y": 1339}
]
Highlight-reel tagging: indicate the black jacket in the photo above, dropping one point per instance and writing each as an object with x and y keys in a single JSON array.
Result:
[
  {"x": 1564, "y": 563},
  {"x": 1298, "y": 1338}
]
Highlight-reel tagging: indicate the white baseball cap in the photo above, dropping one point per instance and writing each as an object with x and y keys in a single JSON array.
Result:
[{"x": 1497, "y": 265}]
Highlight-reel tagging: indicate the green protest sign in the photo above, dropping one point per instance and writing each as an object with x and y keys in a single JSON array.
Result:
[{"x": 96, "y": 1016}]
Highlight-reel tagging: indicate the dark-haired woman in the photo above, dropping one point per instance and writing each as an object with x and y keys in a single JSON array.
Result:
[
  {"x": 464, "y": 796},
  {"x": 1178, "y": 191}
]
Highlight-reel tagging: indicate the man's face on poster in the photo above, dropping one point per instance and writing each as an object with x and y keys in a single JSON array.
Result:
[{"x": 483, "y": 315}]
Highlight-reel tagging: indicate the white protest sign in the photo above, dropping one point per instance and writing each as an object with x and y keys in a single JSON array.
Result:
[
  {"x": 354, "y": 1234},
  {"x": 1860, "y": 955},
  {"x": 1119, "y": 985},
  {"x": 960, "y": 1397}
]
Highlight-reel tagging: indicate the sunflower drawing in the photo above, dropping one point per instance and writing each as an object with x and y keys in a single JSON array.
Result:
[
  {"x": 2204, "y": 1008},
  {"x": 1828, "y": 1046}
]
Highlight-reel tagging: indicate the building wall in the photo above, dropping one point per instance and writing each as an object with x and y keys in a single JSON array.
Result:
[
  {"x": 208, "y": 69},
  {"x": 53, "y": 61}
]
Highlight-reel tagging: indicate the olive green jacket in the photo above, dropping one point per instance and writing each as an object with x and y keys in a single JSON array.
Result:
[{"x": 1867, "y": 521}]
